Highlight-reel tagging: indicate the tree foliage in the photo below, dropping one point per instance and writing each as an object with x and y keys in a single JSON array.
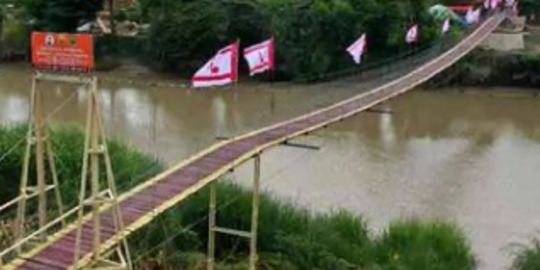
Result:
[
  {"x": 61, "y": 15},
  {"x": 311, "y": 35},
  {"x": 185, "y": 33}
]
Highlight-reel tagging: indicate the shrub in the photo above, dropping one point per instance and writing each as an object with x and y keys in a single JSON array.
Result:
[
  {"x": 311, "y": 35},
  {"x": 527, "y": 257},
  {"x": 414, "y": 245},
  {"x": 290, "y": 238},
  {"x": 61, "y": 15},
  {"x": 130, "y": 166},
  {"x": 184, "y": 34}
]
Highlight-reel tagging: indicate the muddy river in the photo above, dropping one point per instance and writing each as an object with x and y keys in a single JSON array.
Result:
[{"x": 471, "y": 158}]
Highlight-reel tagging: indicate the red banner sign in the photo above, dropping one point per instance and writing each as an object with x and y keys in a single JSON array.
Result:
[{"x": 60, "y": 51}]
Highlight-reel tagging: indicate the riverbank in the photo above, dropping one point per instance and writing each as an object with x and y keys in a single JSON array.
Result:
[
  {"x": 439, "y": 156},
  {"x": 492, "y": 69}
]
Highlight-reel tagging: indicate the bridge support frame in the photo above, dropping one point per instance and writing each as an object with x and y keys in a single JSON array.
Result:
[
  {"x": 38, "y": 146},
  {"x": 100, "y": 199},
  {"x": 251, "y": 235}
]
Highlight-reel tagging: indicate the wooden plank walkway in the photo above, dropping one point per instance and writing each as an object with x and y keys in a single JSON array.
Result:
[{"x": 147, "y": 201}]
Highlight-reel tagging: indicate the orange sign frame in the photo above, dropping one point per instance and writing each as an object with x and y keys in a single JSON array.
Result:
[{"x": 63, "y": 51}]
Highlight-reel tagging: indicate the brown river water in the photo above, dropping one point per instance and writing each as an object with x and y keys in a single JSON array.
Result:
[{"x": 471, "y": 158}]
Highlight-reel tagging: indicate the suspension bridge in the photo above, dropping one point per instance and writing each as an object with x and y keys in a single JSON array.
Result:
[{"x": 98, "y": 239}]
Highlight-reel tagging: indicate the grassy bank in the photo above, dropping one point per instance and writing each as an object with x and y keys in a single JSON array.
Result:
[
  {"x": 290, "y": 238},
  {"x": 491, "y": 68},
  {"x": 527, "y": 257},
  {"x": 130, "y": 166},
  {"x": 295, "y": 238}
]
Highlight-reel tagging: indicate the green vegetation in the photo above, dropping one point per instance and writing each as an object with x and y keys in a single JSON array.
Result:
[
  {"x": 417, "y": 245},
  {"x": 294, "y": 238},
  {"x": 60, "y": 15},
  {"x": 531, "y": 9},
  {"x": 291, "y": 238},
  {"x": 528, "y": 257},
  {"x": 131, "y": 166},
  {"x": 311, "y": 35},
  {"x": 489, "y": 68}
]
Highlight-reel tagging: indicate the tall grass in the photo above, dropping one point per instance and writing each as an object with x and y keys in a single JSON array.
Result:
[
  {"x": 295, "y": 238},
  {"x": 129, "y": 165},
  {"x": 419, "y": 245}
]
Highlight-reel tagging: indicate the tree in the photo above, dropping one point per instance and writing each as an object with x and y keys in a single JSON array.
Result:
[
  {"x": 61, "y": 15},
  {"x": 186, "y": 33}
]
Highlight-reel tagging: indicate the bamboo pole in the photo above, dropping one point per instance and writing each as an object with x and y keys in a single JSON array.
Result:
[
  {"x": 94, "y": 176},
  {"x": 125, "y": 256},
  {"x": 56, "y": 184},
  {"x": 212, "y": 227},
  {"x": 21, "y": 205},
  {"x": 39, "y": 131},
  {"x": 82, "y": 194},
  {"x": 253, "y": 257},
  {"x": 36, "y": 142},
  {"x": 96, "y": 154}
]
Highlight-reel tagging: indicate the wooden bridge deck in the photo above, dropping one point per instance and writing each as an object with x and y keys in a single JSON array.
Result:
[{"x": 147, "y": 201}]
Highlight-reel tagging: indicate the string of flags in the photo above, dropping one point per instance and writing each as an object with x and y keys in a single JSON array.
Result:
[{"x": 222, "y": 68}]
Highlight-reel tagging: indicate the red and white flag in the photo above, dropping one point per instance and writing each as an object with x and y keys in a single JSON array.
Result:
[
  {"x": 412, "y": 34},
  {"x": 358, "y": 48},
  {"x": 222, "y": 69},
  {"x": 446, "y": 26},
  {"x": 260, "y": 57}
]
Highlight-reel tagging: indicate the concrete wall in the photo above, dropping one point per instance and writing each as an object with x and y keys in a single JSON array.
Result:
[{"x": 509, "y": 36}]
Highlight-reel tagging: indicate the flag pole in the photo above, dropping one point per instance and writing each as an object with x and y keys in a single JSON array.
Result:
[
  {"x": 235, "y": 95},
  {"x": 272, "y": 77},
  {"x": 272, "y": 71},
  {"x": 237, "y": 59}
]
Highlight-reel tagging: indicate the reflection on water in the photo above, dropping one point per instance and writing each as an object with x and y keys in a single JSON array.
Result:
[{"x": 470, "y": 159}]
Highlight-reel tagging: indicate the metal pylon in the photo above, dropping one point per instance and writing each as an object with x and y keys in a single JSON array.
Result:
[
  {"x": 102, "y": 196},
  {"x": 39, "y": 149}
]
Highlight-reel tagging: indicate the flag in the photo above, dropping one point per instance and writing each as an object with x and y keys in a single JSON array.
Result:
[
  {"x": 494, "y": 4},
  {"x": 487, "y": 4},
  {"x": 412, "y": 34},
  {"x": 473, "y": 17},
  {"x": 446, "y": 26},
  {"x": 260, "y": 57},
  {"x": 469, "y": 16},
  {"x": 222, "y": 69},
  {"x": 477, "y": 15},
  {"x": 357, "y": 49}
]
